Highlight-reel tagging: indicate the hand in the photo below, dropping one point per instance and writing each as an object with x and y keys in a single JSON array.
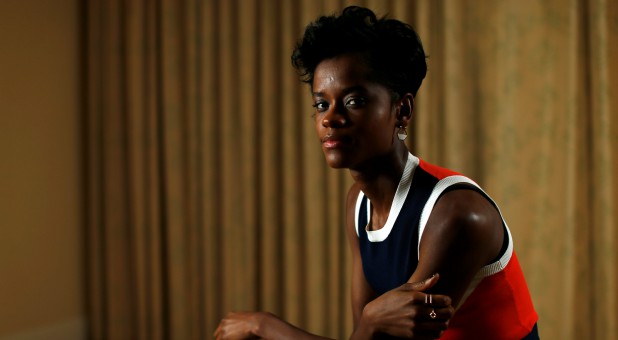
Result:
[
  {"x": 242, "y": 325},
  {"x": 405, "y": 312}
]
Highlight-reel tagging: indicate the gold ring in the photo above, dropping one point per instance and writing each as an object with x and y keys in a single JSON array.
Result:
[{"x": 433, "y": 314}]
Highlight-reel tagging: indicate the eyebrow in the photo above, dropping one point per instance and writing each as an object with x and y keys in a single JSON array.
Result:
[{"x": 346, "y": 91}]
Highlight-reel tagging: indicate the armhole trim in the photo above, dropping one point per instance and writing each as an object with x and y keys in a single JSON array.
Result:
[{"x": 442, "y": 185}]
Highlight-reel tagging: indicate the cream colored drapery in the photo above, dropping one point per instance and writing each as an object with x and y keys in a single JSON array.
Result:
[{"x": 207, "y": 191}]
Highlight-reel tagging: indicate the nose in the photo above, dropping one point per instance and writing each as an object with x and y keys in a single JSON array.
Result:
[{"x": 334, "y": 118}]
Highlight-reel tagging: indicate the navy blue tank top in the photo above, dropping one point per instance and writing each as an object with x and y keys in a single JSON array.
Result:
[{"x": 390, "y": 263}]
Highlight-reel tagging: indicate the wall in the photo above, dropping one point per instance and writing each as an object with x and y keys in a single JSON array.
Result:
[{"x": 41, "y": 255}]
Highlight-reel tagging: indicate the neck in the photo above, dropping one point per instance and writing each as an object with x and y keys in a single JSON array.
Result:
[{"x": 379, "y": 178}]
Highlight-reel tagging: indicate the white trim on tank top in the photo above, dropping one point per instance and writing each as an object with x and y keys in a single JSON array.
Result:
[
  {"x": 485, "y": 271},
  {"x": 400, "y": 196}
]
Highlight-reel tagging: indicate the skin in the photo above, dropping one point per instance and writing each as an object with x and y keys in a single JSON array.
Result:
[{"x": 357, "y": 121}]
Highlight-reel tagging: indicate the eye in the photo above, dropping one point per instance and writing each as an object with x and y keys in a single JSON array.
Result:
[
  {"x": 321, "y": 106},
  {"x": 355, "y": 102}
]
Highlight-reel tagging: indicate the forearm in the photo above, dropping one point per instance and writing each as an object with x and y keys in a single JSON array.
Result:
[
  {"x": 271, "y": 327},
  {"x": 362, "y": 332}
]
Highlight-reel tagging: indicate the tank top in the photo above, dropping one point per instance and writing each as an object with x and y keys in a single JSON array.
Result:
[{"x": 497, "y": 303}]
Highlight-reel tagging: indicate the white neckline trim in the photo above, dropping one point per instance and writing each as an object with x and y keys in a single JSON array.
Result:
[{"x": 400, "y": 196}]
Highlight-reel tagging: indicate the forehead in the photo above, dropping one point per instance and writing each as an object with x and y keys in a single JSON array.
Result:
[{"x": 348, "y": 70}]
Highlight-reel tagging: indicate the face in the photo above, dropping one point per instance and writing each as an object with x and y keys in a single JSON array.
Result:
[{"x": 355, "y": 117}]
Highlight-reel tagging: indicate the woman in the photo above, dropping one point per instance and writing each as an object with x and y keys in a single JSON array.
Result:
[{"x": 406, "y": 219}]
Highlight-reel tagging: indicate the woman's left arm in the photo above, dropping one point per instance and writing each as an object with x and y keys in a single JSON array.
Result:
[{"x": 464, "y": 233}]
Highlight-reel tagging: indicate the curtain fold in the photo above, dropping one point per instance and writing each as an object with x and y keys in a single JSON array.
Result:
[
  {"x": 521, "y": 98},
  {"x": 207, "y": 191}
]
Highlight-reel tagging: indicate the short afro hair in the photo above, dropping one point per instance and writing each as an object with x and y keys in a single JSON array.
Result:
[{"x": 392, "y": 49}]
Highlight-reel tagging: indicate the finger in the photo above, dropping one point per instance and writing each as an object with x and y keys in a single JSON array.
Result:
[
  {"x": 431, "y": 300},
  {"x": 438, "y": 301},
  {"x": 427, "y": 334},
  {"x": 424, "y": 285},
  {"x": 434, "y": 327},
  {"x": 437, "y": 315},
  {"x": 217, "y": 331},
  {"x": 425, "y": 329}
]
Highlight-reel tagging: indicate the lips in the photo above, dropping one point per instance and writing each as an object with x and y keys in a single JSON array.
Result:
[{"x": 334, "y": 142}]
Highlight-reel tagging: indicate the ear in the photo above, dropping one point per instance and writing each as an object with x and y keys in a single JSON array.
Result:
[{"x": 406, "y": 108}]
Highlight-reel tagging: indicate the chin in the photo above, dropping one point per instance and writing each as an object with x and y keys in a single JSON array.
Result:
[
  {"x": 337, "y": 166},
  {"x": 337, "y": 161}
]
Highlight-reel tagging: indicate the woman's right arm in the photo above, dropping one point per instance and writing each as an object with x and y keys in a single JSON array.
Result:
[
  {"x": 362, "y": 293},
  {"x": 401, "y": 312}
]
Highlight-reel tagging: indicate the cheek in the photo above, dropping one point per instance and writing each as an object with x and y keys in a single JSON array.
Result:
[
  {"x": 381, "y": 129},
  {"x": 377, "y": 138}
]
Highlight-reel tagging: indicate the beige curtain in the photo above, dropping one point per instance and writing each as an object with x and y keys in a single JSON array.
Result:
[
  {"x": 522, "y": 96},
  {"x": 207, "y": 191}
]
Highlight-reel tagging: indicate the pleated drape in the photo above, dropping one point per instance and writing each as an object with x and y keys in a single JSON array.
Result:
[
  {"x": 523, "y": 99},
  {"x": 207, "y": 191}
]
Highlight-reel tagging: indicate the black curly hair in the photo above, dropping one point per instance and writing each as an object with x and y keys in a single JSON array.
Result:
[{"x": 392, "y": 49}]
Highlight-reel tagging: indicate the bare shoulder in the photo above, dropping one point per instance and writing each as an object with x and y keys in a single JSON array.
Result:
[
  {"x": 466, "y": 211},
  {"x": 464, "y": 233}
]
